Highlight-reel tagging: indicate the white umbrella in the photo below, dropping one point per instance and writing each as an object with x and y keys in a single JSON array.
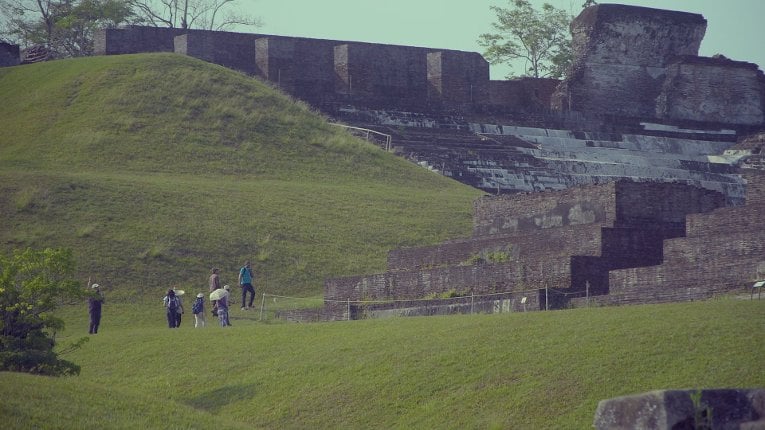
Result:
[{"x": 218, "y": 294}]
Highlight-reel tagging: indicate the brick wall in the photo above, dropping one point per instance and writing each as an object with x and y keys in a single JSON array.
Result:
[
  {"x": 755, "y": 186},
  {"x": 385, "y": 75},
  {"x": 713, "y": 90},
  {"x": 716, "y": 257},
  {"x": 621, "y": 58},
  {"x": 727, "y": 220},
  {"x": 232, "y": 50},
  {"x": 625, "y": 246},
  {"x": 457, "y": 79},
  {"x": 662, "y": 206},
  {"x": 326, "y": 71},
  {"x": 564, "y": 241},
  {"x": 620, "y": 53},
  {"x": 638, "y": 36},
  {"x": 521, "y": 95},
  {"x": 302, "y": 67},
  {"x": 475, "y": 279},
  {"x": 528, "y": 212},
  {"x": 134, "y": 40}
]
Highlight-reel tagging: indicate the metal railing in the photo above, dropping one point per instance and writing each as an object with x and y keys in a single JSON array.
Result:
[{"x": 382, "y": 139}]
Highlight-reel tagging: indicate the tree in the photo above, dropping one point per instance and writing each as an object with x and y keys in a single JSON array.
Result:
[
  {"x": 28, "y": 20},
  {"x": 540, "y": 38},
  {"x": 201, "y": 14},
  {"x": 32, "y": 285},
  {"x": 76, "y": 25},
  {"x": 64, "y": 27}
]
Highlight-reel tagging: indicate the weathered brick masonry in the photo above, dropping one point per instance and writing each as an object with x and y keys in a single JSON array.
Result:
[
  {"x": 641, "y": 62},
  {"x": 620, "y": 53},
  {"x": 629, "y": 62},
  {"x": 722, "y": 250},
  {"x": 712, "y": 90},
  {"x": 625, "y": 242},
  {"x": 571, "y": 241},
  {"x": 327, "y": 72}
]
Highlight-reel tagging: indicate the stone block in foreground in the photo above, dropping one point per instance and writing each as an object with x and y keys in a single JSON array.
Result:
[{"x": 684, "y": 409}]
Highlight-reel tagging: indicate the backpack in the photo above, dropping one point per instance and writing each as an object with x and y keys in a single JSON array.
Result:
[
  {"x": 197, "y": 306},
  {"x": 172, "y": 303}
]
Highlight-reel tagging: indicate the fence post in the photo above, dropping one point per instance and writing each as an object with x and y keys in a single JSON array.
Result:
[
  {"x": 547, "y": 299},
  {"x": 587, "y": 292},
  {"x": 348, "y": 309},
  {"x": 262, "y": 305},
  {"x": 472, "y": 303}
]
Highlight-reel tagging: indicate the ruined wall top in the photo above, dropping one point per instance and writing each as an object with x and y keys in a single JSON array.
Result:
[
  {"x": 613, "y": 33},
  {"x": 649, "y": 205}
]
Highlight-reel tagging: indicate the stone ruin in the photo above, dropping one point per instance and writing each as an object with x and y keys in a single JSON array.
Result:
[
  {"x": 326, "y": 73},
  {"x": 684, "y": 409},
  {"x": 638, "y": 104},
  {"x": 612, "y": 244},
  {"x": 629, "y": 62},
  {"x": 641, "y": 62},
  {"x": 630, "y": 181},
  {"x": 639, "y": 153}
]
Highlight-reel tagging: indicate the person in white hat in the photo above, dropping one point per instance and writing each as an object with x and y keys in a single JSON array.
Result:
[
  {"x": 95, "y": 300},
  {"x": 198, "y": 309}
]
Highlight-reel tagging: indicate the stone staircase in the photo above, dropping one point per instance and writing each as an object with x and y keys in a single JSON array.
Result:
[
  {"x": 537, "y": 251},
  {"x": 510, "y": 159}
]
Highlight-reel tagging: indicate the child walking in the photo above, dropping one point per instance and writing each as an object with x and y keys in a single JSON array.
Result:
[{"x": 198, "y": 308}]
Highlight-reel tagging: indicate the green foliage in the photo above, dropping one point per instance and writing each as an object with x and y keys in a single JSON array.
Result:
[
  {"x": 538, "y": 38},
  {"x": 77, "y": 23},
  {"x": 65, "y": 27},
  {"x": 702, "y": 414},
  {"x": 474, "y": 260},
  {"x": 201, "y": 14},
  {"x": 450, "y": 294},
  {"x": 32, "y": 286},
  {"x": 496, "y": 256}
]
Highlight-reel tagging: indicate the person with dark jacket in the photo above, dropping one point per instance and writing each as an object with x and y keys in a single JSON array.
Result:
[
  {"x": 173, "y": 307},
  {"x": 95, "y": 301}
]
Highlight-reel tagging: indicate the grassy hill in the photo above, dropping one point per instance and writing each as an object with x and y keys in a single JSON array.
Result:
[
  {"x": 154, "y": 168},
  {"x": 541, "y": 370}
]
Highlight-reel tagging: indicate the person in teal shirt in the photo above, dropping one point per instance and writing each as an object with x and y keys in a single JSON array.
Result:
[{"x": 245, "y": 281}]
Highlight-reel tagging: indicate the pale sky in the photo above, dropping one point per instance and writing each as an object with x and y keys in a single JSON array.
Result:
[{"x": 735, "y": 28}]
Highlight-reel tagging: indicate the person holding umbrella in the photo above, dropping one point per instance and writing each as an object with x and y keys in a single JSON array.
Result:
[
  {"x": 178, "y": 294},
  {"x": 221, "y": 298}
]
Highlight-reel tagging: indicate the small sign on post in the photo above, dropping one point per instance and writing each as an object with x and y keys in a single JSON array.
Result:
[{"x": 758, "y": 286}]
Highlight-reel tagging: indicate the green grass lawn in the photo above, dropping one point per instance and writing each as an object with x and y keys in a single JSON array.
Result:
[{"x": 521, "y": 370}]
